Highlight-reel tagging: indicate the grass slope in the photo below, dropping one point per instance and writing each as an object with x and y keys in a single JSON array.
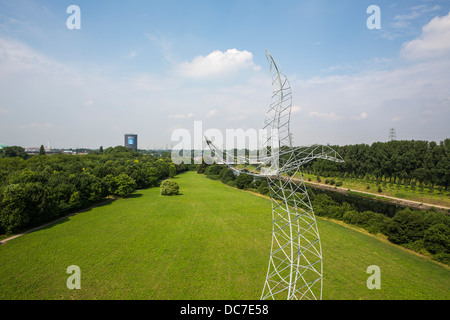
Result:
[{"x": 211, "y": 242}]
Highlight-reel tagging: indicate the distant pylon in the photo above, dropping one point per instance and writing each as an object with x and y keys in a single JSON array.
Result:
[{"x": 392, "y": 135}]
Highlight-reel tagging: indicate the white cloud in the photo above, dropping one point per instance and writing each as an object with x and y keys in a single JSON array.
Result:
[
  {"x": 409, "y": 16},
  {"x": 3, "y": 111},
  {"x": 296, "y": 109},
  {"x": 16, "y": 57},
  {"x": 332, "y": 116},
  {"x": 181, "y": 116},
  {"x": 406, "y": 24},
  {"x": 413, "y": 95},
  {"x": 423, "y": 8},
  {"x": 238, "y": 117},
  {"x": 36, "y": 125},
  {"x": 132, "y": 54},
  {"x": 211, "y": 113},
  {"x": 416, "y": 12},
  {"x": 163, "y": 44},
  {"x": 434, "y": 41},
  {"x": 218, "y": 63},
  {"x": 362, "y": 116}
]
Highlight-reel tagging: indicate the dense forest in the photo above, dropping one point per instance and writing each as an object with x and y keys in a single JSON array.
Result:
[
  {"x": 426, "y": 232},
  {"x": 402, "y": 162},
  {"x": 39, "y": 188}
]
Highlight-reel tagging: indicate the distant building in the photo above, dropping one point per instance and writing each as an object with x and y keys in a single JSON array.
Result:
[
  {"x": 32, "y": 150},
  {"x": 36, "y": 150},
  {"x": 131, "y": 141}
]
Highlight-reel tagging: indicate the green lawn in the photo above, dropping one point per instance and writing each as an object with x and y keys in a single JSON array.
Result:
[{"x": 210, "y": 242}]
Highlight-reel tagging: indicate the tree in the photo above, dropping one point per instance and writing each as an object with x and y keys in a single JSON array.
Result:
[
  {"x": 227, "y": 175},
  {"x": 14, "y": 151},
  {"x": 406, "y": 226},
  {"x": 201, "y": 167},
  {"x": 244, "y": 181},
  {"x": 13, "y": 213},
  {"x": 172, "y": 171},
  {"x": 169, "y": 188},
  {"x": 42, "y": 150},
  {"x": 125, "y": 185},
  {"x": 213, "y": 170},
  {"x": 121, "y": 185},
  {"x": 436, "y": 239}
]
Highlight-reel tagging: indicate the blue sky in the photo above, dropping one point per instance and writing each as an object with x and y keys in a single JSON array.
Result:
[{"x": 150, "y": 67}]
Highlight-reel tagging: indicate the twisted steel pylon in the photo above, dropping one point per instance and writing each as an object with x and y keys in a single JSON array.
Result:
[{"x": 295, "y": 265}]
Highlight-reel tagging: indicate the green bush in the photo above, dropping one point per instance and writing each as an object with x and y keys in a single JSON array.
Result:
[
  {"x": 121, "y": 185},
  {"x": 226, "y": 175},
  {"x": 442, "y": 257},
  {"x": 262, "y": 186},
  {"x": 213, "y": 170},
  {"x": 436, "y": 239},
  {"x": 231, "y": 183},
  {"x": 417, "y": 246},
  {"x": 169, "y": 188},
  {"x": 406, "y": 226},
  {"x": 244, "y": 181}
]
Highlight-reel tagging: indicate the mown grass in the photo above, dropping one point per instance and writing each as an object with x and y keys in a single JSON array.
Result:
[{"x": 210, "y": 242}]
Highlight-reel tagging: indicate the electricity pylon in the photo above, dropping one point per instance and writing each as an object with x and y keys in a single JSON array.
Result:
[
  {"x": 295, "y": 268},
  {"x": 392, "y": 134}
]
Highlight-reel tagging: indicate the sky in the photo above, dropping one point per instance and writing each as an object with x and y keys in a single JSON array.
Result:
[{"x": 151, "y": 67}]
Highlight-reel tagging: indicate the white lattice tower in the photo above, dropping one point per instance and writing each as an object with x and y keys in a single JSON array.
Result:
[{"x": 295, "y": 268}]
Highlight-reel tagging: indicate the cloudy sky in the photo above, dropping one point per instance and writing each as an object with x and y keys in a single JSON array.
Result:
[{"x": 150, "y": 67}]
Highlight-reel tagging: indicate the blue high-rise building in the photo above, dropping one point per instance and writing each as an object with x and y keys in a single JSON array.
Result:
[{"x": 131, "y": 141}]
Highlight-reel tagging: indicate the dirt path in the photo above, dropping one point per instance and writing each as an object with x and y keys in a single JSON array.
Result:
[{"x": 409, "y": 203}]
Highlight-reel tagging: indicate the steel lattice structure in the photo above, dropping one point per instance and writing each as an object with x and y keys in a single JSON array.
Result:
[{"x": 295, "y": 268}]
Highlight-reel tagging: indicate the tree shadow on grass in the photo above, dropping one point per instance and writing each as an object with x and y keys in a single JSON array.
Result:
[
  {"x": 134, "y": 195},
  {"x": 63, "y": 219},
  {"x": 67, "y": 217}
]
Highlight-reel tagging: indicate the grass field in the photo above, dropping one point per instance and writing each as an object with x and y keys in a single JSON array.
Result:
[{"x": 210, "y": 242}]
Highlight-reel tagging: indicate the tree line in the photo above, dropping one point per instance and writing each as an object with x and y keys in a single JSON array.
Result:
[
  {"x": 402, "y": 162},
  {"x": 426, "y": 232},
  {"x": 37, "y": 189}
]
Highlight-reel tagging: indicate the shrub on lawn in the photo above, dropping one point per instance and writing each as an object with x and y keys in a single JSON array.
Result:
[{"x": 169, "y": 188}]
